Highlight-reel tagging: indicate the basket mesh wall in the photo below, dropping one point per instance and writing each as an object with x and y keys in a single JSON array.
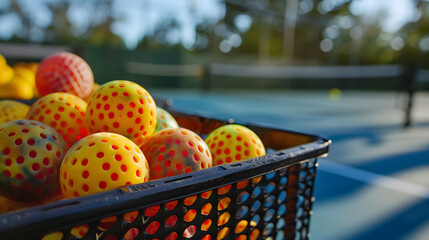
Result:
[{"x": 276, "y": 205}]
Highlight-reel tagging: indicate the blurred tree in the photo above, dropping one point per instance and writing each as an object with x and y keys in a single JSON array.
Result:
[
  {"x": 61, "y": 30},
  {"x": 323, "y": 31},
  {"x": 416, "y": 38}
]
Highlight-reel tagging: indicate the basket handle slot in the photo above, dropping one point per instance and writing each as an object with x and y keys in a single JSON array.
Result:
[
  {"x": 66, "y": 204},
  {"x": 178, "y": 179},
  {"x": 236, "y": 165}
]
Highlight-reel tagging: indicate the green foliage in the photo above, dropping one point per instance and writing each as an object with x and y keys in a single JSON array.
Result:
[
  {"x": 61, "y": 30},
  {"x": 359, "y": 43}
]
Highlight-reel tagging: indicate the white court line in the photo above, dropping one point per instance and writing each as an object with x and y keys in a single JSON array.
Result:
[{"x": 374, "y": 179}]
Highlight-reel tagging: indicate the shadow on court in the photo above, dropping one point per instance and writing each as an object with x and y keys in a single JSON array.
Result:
[
  {"x": 385, "y": 166},
  {"x": 399, "y": 225}
]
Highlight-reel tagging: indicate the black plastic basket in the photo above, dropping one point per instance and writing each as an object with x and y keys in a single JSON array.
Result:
[{"x": 268, "y": 197}]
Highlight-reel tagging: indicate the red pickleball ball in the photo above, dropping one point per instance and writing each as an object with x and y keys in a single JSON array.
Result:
[{"x": 64, "y": 72}]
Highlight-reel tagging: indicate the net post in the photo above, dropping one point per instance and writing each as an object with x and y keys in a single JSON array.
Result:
[
  {"x": 409, "y": 80},
  {"x": 205, "y": 78}
]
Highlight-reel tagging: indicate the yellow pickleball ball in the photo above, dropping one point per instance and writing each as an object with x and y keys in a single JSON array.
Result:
[
  {"x": 12, "y": 110},
  {"x": 101, "y": 162},
  {"x": 17, "y": 88},
  {"x": 231, "y": 143},
  {"x": 31, "y": 154},
  {"x": 64, "y": 112},
  {"x": 6, "y": 74},
  {"x": 2, "y": 61},
  {"x": 122, "y": 107}
]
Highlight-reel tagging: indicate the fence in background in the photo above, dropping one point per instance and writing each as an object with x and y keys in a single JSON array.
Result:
[
  {"x": 109, "y": 64},
  {"x": 409, "y": 76},
  {"x": 29, "y": 51}
]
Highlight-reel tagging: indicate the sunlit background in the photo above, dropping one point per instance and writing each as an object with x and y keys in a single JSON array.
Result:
[{"x": 262, "y": 32}]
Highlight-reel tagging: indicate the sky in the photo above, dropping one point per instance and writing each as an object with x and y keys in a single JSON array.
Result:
[
  {"x": 398, "y": 12},
  {"x": 188, "y": 13},
  {"x": 138, "y": 17}
]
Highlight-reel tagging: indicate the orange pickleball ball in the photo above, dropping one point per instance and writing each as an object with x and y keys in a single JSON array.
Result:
[
  {"x": 233, "y": 142},
  {"x": 122, "y": 107},
  {"x": 175, "y": 151},
  {"x": 64, "y": 112},
  {"x": 64, "y": 72}
]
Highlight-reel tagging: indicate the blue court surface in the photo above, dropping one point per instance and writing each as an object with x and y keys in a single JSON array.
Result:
[{"x": 375, "y": 182}]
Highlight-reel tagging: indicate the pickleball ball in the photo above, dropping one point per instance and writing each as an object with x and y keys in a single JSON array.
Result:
[
  {"x": 176, "y": 151},
  {"x": 233, "y": 142},
  {"x": 64, "y": 72},
  {"x": 101, "y": 162},
  {"x": 12, "y": 110},
  {"x": 164, "y": 120},
  {"x": 31, "y": 154},
  {"x": 122, "y": 107},
  {"x": 64, "y": 112}
]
